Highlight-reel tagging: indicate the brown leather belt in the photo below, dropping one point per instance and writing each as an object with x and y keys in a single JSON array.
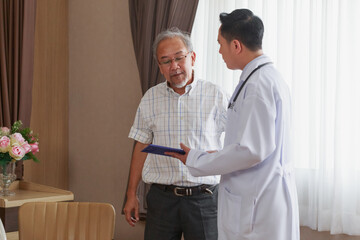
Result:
[{"x": 185, "y": 191}]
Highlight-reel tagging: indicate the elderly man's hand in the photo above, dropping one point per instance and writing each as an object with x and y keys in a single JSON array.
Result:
[{"x": 179, "y": 156}]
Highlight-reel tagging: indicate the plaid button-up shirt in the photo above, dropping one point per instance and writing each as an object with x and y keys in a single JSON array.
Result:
[{"x": 196, "y": 118}]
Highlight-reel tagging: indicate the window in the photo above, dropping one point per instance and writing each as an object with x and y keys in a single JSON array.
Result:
[{"x": 315, "y": 45}]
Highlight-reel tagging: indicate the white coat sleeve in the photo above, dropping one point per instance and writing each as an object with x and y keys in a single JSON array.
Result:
[{"x": 253, "y": 134}]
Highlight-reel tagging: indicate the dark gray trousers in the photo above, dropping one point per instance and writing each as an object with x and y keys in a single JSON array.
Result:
[{"x": 169, "y": 216}]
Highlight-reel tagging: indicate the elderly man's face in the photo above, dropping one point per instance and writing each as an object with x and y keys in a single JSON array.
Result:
[{"x": 175, "y": 62}]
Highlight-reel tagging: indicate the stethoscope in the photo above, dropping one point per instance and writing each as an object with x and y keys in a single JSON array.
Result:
[{"x": 231, "y": 104}]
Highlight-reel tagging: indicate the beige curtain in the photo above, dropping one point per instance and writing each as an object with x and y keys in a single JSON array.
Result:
[
  {"x": 17, "y": 34},
  {"x": 148, "y": 18}
]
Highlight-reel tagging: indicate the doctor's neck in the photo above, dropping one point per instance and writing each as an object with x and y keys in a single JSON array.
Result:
[{"x": 248, "y": 56}]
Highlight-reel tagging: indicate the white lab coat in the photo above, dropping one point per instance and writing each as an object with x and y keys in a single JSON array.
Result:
[
  {"x": 257, "y": 192},
  {"x": 2, "y": 231}
]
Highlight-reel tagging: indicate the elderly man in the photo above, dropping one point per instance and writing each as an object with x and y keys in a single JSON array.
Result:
[{"x": 181, "y": 109}]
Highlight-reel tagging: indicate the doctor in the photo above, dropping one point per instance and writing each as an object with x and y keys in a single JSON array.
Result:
[{"x": 257, "y": 193}]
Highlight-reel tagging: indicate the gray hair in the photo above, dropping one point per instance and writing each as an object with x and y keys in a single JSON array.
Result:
[{"x": 173, "y": 32}]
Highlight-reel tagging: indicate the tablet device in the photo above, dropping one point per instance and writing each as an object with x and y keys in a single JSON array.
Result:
[{"x": 156, "y": 149}]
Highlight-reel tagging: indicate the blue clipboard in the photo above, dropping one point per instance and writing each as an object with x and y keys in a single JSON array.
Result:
[{"x": 160, "y": 150}]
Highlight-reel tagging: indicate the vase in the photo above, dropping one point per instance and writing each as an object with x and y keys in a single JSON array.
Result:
[{"x": 7, "y": 176}]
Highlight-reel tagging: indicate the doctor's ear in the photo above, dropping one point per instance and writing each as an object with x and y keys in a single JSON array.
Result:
[{"x": 237, "y": 46}]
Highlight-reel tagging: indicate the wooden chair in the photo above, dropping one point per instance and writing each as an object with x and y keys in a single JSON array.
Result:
[{"x": 66, "y": 221}]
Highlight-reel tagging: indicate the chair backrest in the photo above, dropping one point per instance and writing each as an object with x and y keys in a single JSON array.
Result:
[{"x": 66, "y": 221}]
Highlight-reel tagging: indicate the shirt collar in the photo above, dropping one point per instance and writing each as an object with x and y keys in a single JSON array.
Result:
[{"x": 252, "y": 65}]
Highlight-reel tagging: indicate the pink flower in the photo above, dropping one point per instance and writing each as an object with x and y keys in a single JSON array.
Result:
[
  {"x": 26, "y": 146},
  {"x": 17, "y": 152},
  {"x": 34, "y": 147},
  {"x": 5, "y": 130},
  {"x": 4, "y": 144},
  {"x": 17, "y": 137}
]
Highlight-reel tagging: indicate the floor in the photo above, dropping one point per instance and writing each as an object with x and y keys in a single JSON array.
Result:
[
  {"x": 305, "y": 232},
  {"x": 308, "y": 234}
]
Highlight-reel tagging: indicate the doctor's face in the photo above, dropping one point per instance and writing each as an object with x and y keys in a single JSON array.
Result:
[
  {"x": 225, "y": 51},
  {"x": 175, "y": 62}
]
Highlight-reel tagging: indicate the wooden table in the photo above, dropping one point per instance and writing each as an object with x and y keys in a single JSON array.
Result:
[{"x": 27, "y": 192}]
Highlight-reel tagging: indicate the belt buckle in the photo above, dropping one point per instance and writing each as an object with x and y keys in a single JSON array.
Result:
[{"x": 188, "y": 191}]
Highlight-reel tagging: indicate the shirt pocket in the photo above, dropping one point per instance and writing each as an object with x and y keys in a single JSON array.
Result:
[{"x": 236, "y": 213}]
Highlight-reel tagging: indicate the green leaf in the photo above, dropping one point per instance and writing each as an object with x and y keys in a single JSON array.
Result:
[
  {"x": 5, "y": 157},
  {"x": 32, "y": 156},
  {"x": 16, "y": 127}
]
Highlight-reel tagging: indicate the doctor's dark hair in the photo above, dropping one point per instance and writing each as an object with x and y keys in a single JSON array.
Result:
[
  {"x": 244, "y": 26},
  {"x": 173, "y": 32}
]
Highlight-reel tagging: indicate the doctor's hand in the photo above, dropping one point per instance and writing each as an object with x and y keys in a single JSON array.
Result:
[{"x": 179, "y": 156}]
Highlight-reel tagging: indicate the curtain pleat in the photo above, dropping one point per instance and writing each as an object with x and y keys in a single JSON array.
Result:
[
  {"x": 17, "y": 34},
  {"x": 148, "y": 18}
]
